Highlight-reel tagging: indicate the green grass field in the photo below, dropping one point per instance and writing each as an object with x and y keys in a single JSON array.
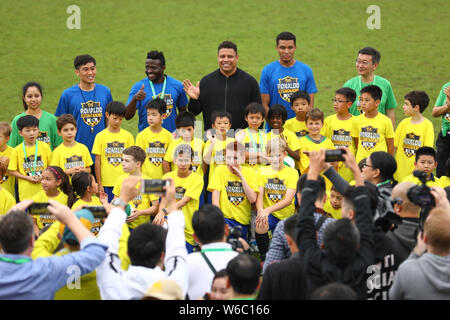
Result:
[{"x": 36, "y": 45}]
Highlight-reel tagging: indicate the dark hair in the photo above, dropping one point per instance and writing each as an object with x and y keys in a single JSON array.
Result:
[
  {"x": 286, "y": 36},
  {"x": 349, "y": 195},
  {"x": 208, "y": 223},
  {"x": 314, "y": 114},
  {"x": 228, "y": 45},
  {"x": 220, "y": 274},
  {"x": 27, "y": 121},
  {"x": 386, "y": 163},
  {"x": 185, "y": 119},
  {"x": 82, "y": 60},
  {"x": 299, "y": 95},
  {"x": 157, "y": 104},
  {"x": 376, "y": 56},
  {"x": 447, "y": 165},
  {"x": 137, "y": 153},
  {"x": 65, "y": 186},
  {"x": 362, "y": 163},
  {"x": 254, "y": 107},
  {"x": 243, "y": 272},
  {"x": 117, "y": 108},
  {"x": 16, "y": 229},
  {"x": 447, "y": 190},
  {"x": 183, "y": 148},
  {"x": 341, "y": 239},
  {"x": 221, "y": 114},
  {"x": 425, "y": 151},
  {"x": 25, "y": 89},
  {"x": 80, "y": 182},
  {"x": 334, "y": 291},
  {"x": 374, "y": 91},
  {"x": 277, "y": 110},
  {"x": 320, "y": 192},
  {"x": 348, "y": 93},
  {"x": 157, "y": 55},
  {"x": 146, "y": 244},
  {"x": 65, "y": 119},
  {"x": 289, "y": 225},
  {"x": 420, "y": 98}
]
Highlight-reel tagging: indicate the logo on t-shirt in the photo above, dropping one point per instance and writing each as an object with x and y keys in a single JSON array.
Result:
[
  {"x": 219, "y": 157},
  {"x": 286, "y": 87},
  {"x": 447, "y": 116},
  {"x": 301, "y": 133},
  {"x": 96, "y": 227},
  {"x": 74, "y": 162},
  {"x": 4, "y": 179},
  {"x": 169, "y": 104},
  {"x": 196, "y": 162},
  {"x": 137, "y": 200},
  {"x": 155, "y": 152},
  {"x": 410, "y": 144},
  {"x": 253, "y": 158},
  {"x": 46, "y": 220},
  {"x": 235, "y": 192},
  {"x": 43, "y": 136},
  {"x": 91, "y": 113},
  {"x": 341, "y": 138},
  {"x": 28, "y": 166},
  {"x": 369, "y": 137},
  {"x": 275, "y": 189},
  {"x": 179, "y": 193},
  {"x": 113, "y": 152}
]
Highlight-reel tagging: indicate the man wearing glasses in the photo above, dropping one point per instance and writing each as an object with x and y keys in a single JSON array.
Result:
[{"x": 366, "y": 63}]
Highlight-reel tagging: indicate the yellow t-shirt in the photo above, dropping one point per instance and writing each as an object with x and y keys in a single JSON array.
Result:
[
  {"x": 191, "y": 187},
  {"x": 6, "y": 201},
  {"x": 408, "y": 138},
  {"x": 254, "y": 142},
  {"x": 430, "y": 183},
  {"x": 335, "y": 213},
  {"x": 155, "y": 146},
  {"x": 372, "y": 134},
  {"x": 109, "y": 146},
  {"x": 233, "y": 202},
  {"x": 297, "y": 127},
  {"x": 71, "y": 157},
  {"x": 197, "y": 146},
  {"x": 44, "y": 220},
  {"x": 444, "y": 181},
  {"x": 8, "y": 181},
  {"x": 217, "y": 155},
  {"x": 95, "y": 201},
  {"x": 25, "y": 165},
  {"x": 291, "y": 139},
  {"x": 275, "y": 184},
  {"x": 307, "y": 144}
]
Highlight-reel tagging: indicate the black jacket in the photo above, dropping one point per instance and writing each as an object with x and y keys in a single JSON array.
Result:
[
  {"x": 231, "y": 94},
  {"x": 404, "y": 237}
]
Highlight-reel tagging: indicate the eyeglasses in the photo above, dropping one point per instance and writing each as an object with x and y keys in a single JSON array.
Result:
[
  {"x": 364, "y": 63},
  {"x": 398, "y": 201},
  {"x": 338, "y": 101},
  {"x": 367, "y": 165}
]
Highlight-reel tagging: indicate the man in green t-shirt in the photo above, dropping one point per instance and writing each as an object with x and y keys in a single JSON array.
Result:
[
  {"x": 367, "y": 62},
  {"x": 442, "y": 109}
]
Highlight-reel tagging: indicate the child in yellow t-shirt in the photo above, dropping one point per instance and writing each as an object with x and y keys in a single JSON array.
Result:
[
  {"x": 143, "y": 205},
  {"x": 426, "y": 162},
  {"x": 444, "y": 181},
  {"x": 277, "y": 184},
  {"x": 30, "y": 159},
  {"x": 375, "y": 131},
  {"x": 412, "y": 133},
  {"x": 301, "y": 104},
  {"x": 234, "y": 188},
  {"x": 70, "y": 155},
  {"x": 334, "y": 203},
  {"x": 188, "y": 187},
  {"x": 7, "y": 201},
  {"x": 108, "y": 147},
  {"x": 7, "y": 182}
]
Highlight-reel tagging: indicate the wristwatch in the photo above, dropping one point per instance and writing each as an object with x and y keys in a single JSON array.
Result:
[{"x": 119, "y": 202}]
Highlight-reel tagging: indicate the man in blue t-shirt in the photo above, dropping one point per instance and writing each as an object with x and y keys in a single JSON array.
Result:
[
  {"x": 285, "y": 76},
  {"x": 86, "y": 101},
  {"x": 156, "y": 85}
]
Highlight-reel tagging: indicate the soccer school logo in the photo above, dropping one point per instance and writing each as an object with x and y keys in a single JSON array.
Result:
[
  {"x": 32, "y": 170},
  {"x": 235, "y": 192},
  {"x": 369, "y": 137},
  {"x": 341, "y": 138},
  {"x": 253, "y": 157},
  {"x": 410, "y": 144},
  {"x": 275, "y": 189},
  {"x": 4, "y": 179},
  {"x": 91, "y": 113},
  {"x": 286, "y": 87},
  {"x": 155, "y": 152},
  {"x": 113, "y": 152},
  {"x": 179, "y": 193},
  {"x": 301, "y": 133},
  {"x": 219, "y": 157},
  {"x": 137, "y": 201},
  {"x": 169, "y": 104},
  {"x": 43, "y": 137},
  {"x": 73, "y": 162}
]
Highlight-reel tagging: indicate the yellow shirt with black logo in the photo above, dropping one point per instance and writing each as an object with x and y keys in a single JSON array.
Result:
[
  {"x": 307, "y": 144},
  {"x": 45, "y": 220},
  {"x": 275, "y": 184},
  {"x": 372, "y": 134},
  {"x": 155, "y": 146},
  {"x": 95, "y": 201},
  {"x": 6, "y": 201},
  {"x": 8, "y": 181},
  {"x": 408, "y": 138},
  {"x": 191, "y": 187},
  {"x": 109, "y": 146},
  {"x": 254, "y": 142},
  {"x": 197, "y": 146},
  {"x": 233, "y": 202},
  {"x": 24, "y": 164},
  {"x": 71, "y": 157},
  {"x": 217, "y": 155},
  {"x": 434, "y": 182},
  {"x": 297, "y": 127}
]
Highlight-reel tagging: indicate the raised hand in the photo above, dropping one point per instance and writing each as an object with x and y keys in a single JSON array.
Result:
[
  {"x": 192, "y": 91},
  {"x": 140, "y": 95}
]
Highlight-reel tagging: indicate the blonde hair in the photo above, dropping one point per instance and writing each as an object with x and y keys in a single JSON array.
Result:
[
  {"x": 5, "y": 128},
  {"x": 276, "y": 144}
]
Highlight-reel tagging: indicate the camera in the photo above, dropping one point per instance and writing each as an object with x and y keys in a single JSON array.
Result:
[
  {"x": 334, "y": 155},
  {"x": 421, "y": 196},
  {"x": 153, "y": 186},
  {"x": 38, "y": 208},
  {"x": 98, "y": 212},
  {"x": 233, "y": 237}
]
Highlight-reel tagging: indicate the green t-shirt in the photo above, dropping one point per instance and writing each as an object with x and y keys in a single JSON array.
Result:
[
  {"x": 48, "y": 132},
  {"x": 441, "y": 100},
  {"x": 387, "y": 99}
]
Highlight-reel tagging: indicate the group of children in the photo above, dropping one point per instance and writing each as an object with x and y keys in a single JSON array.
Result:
[{"x": 251, "y": 172}]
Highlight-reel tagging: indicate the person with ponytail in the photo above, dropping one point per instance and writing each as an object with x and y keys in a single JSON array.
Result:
[{"x": 379, "y": 170}]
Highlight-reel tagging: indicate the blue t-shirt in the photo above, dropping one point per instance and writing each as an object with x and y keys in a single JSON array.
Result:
[
  {"x": 88, "y": 109},
  {"x": 280, "y": 82},
  {"x": 174, "y": 95}
]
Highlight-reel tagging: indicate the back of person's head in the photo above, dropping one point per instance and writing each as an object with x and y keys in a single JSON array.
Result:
[
  {"x": 277, "y": 110},
  {"x": 418, "y": 98},
  {"x": 209, "y": 224},
  {"x": 5, "y": 128},
  {"x": 185, "y": 119},
  {"x": 157, "y": 104},
  {"x": 376, "y": 56},
  {"x": 374, "y": 91},
  {"x": 425, "y": 151},
  {"x": 157, "y": 55},
  {"x": 437, "y": 231},
  {"x": 385, "y": 162},
  {"x": 136, "y": 152},
  {"x": 290, "y": 224},
  {"x": 320, "y": 192},
  {"x": 349, "y": 196},
  {"x": 65, "y": 119},
  {"x": 243, "y": 273},
  {"x": 401, "y": 191},
  {"x": 146, "y": 244},
  {"x": 300, "y": 95},
  {"x": 341, "y": 240},
  {"x": 334, "y": 291},
  {"x": 253, "y": 108},
  {"x": 80, "y": 182},
  {"x": 25, "y": 89},
  {"x": 117, "y": 108},
  {"x": 67, "y": 236},
  {"x": 65, "y": 186},
  {"x": 286, "y": 35},
  {"x": 27, "y": 121},
  {"x": 82, "y": 60},
  {"x": 16, "y": 230},
  {"x": 314, "y": 114},
  {"x": 348, "y": 93},
  {"x": 228, "y": 45},
  {"x": 221, "y": 114}
]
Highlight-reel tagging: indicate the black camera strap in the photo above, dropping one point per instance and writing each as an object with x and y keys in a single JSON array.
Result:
[{"x": 208, "y": 262}]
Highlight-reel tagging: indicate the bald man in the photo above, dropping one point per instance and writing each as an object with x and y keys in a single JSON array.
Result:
[{"x": 404, "y": 236}]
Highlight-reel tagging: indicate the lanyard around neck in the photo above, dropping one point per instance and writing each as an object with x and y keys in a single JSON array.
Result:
[
  {"x": 153, "y": 88},
  {"x": 254, "y": 142},
  {"x": 360, "y": 82},
  {"x": 35, "y": 156},
  {"x": 383, "y": 183},
  {"x": 15, "y": 261},
  {"x": 219, "y": 249}
]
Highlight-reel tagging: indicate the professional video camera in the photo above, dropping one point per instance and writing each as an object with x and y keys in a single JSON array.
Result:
[
  {"x": 233, "y": 237},
  {"x": 385, "y": 215},
  {"x": 421, "y": 196}
]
